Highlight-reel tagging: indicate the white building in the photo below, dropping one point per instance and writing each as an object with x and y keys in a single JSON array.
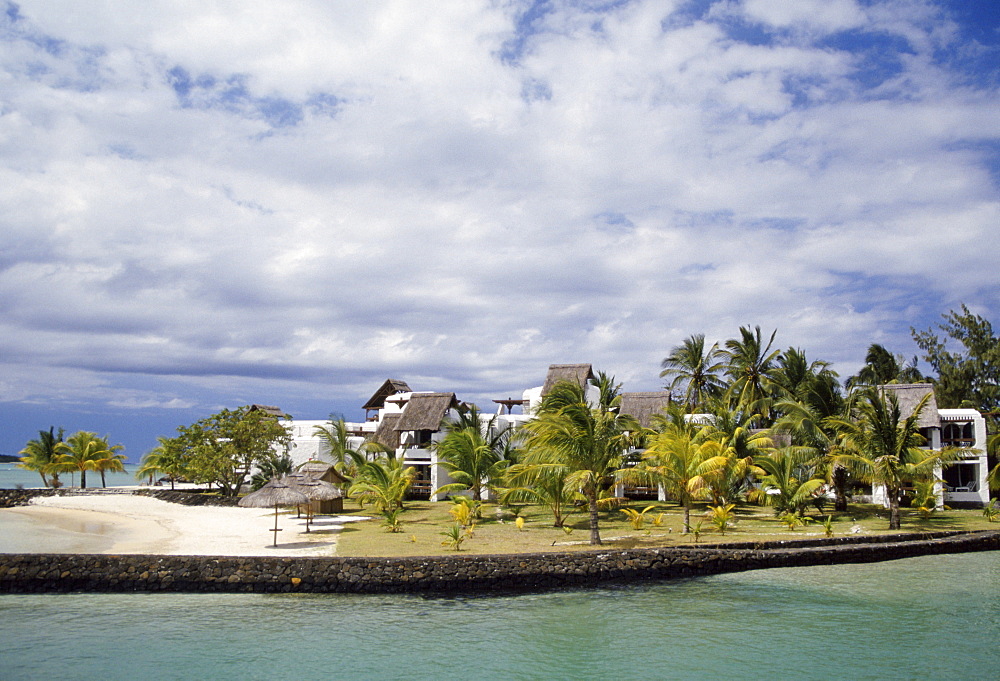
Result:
[{"x": 965, "y": 480}]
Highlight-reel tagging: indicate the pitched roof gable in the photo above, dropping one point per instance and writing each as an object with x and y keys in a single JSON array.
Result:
[
  {"x": 425, "y": 411},
  {"x": 643, "y": 406},
  {"x": 909, "y": 395},
  {"x": 390, "y": 387},
  {"x": 574, "y": 373}
]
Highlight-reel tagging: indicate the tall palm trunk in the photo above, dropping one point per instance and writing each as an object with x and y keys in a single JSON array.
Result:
[
  {"x": 595, "y": 533},
  {"x": 687, "y": 518},
  {"x": 894, "y": 523}
]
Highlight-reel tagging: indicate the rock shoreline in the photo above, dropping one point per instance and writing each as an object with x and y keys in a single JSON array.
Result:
[{"x": 470, "y": 575}]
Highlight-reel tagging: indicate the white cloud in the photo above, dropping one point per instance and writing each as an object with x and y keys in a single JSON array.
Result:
[{"x": 447, "y": 216}]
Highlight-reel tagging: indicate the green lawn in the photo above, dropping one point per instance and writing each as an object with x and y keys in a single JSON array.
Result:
[{"x": 424, "y": 522}]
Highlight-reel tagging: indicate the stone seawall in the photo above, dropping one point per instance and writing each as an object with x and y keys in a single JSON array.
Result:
[
  {"x": 21, "y": 497},
  {"x": 37, "y": 573}
]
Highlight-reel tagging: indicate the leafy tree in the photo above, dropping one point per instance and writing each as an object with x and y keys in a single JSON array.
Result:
[
  {"x": 41, "y": 455},
  {"x": 694, "y": 369},
  {"x": 789, "y": 480},
  {"x": 84, "y": 451},
  {"x": 347, "y": 459},
  {"x": 223, "y": 448},
  {"x": 547, "y": 485},
  {"x": 110, "y": 461},
  {"x": 682, "y": 460},
  {"x": 812, "y": 423},
  {"x": 738, "y": 443},
  {"x": 750, "y": 364},
  {"x": 797, "y": 378},
  {"x": 383, "y": 483},
  {"x": 883, "y": 367},
  {"x": 883, "y": 448},
  {"x": 275, "y": 466},
  {"x": 589, "y": 442},
  {"x": 970, "y": 377},
  {"x": 474, "y": 454},
  {"x": 166, "y": 458}
]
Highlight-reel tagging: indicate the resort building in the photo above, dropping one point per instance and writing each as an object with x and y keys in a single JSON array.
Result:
[
  {"x": 410, "y": 422},
  {"x": 964, "y": 480}
]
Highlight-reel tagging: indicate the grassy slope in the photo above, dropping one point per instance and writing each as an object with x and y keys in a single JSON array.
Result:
[{"x": 423, "y": 523}]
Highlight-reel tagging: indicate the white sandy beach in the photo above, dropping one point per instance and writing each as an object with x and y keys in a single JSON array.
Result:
[{"x": 123, "y": 523}]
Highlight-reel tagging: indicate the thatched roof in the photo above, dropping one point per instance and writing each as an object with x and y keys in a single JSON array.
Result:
[
  {"x": 643, "y": 406},
  {"x": 314, "y": 489},
  {"x": 908, "y": 395},
  {"x": 269, "y": 410},
  {"x": 390, "y": 387},
  {"x": 274, "y": 493},
  {"x": 322, "y": 471},
  {"x": 575, "y": 373},
  {"x": 386, "y": 433},
  {"x": 425, "y": 411}
]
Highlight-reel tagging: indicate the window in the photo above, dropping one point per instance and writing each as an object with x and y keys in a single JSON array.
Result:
[{"x": 958, "y": 435}]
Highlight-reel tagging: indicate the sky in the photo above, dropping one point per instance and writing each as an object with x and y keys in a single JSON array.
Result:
[{"x": 211, "y": 204}]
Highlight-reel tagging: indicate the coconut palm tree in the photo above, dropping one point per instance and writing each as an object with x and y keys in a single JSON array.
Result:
[
  {"x": 84, "y": 451},
  {"x": 383, "y": 483},
  {"x": 681, "y": 459},
  {"x": 474, "y": 453},
  {"x": 883, "y": 448},
  {"x": 166, "y": 458},
  {"x": 750, "y": 365},
  {"x": 789, "y": 479},
  {"x": 549, "y": 486},
  {"x": 40, "y": 455},
  {"x": 693, "y": 368},
  {"x": 110, "y": 461},
  {"x": 740, "y": 444},
  {"x": 883, "y": 367},
  {"x": 589, "y": 442}
]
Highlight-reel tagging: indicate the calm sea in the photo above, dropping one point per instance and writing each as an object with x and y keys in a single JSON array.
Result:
[
  {"x": 12, "y": 477},
  {"x": 923, "y": 618}
]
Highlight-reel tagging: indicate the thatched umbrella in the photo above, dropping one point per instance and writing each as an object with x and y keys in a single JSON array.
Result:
[
  {"x": 315, "y": 490},
  {"x": 274, "y": 493}
]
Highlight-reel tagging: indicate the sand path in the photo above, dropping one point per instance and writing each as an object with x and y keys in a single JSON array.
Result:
[{"x": 123, "y": 523}]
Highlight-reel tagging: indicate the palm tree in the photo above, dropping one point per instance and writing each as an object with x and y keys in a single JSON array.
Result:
[
  {"x": 271, "y": 468},
  {"x": 883, "y": 367},
  {"x": 84, "y": 451},
  {"x": 691, "y": 367},
  {"x": 166, "y": 458},
  {"x": 383, "y": 482},
  {"x": 750, "y": 365},
  {"x": 682, "y": 460},
  {"x": 348, "y": 460},
  {"x": 589, "y": 442},
  {"x": 810, "y": 424},
  {"x": 883, "y": 448},
  {"x": 740, "y": 444},
  {"x": 110, "y": 461},
  {"x": 548, "y": 485},
  {"x": 473, "y": 453},
  {"x": 40, "y": 455},
  {"x": 993, "y": 448},
  {"x": 789, "y": 479},
  {"x": 795, "y": 376}
]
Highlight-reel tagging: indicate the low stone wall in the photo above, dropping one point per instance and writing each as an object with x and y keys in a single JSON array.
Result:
[
  {"x": 21, "y": 497},
  {"x": 187, "y": 498},
  {"x": 28, "y": 573}
]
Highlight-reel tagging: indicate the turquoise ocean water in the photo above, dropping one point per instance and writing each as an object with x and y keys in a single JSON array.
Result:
[
  {"x": 12, "y": 477},
  {"x": 935, "y": 617}
]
